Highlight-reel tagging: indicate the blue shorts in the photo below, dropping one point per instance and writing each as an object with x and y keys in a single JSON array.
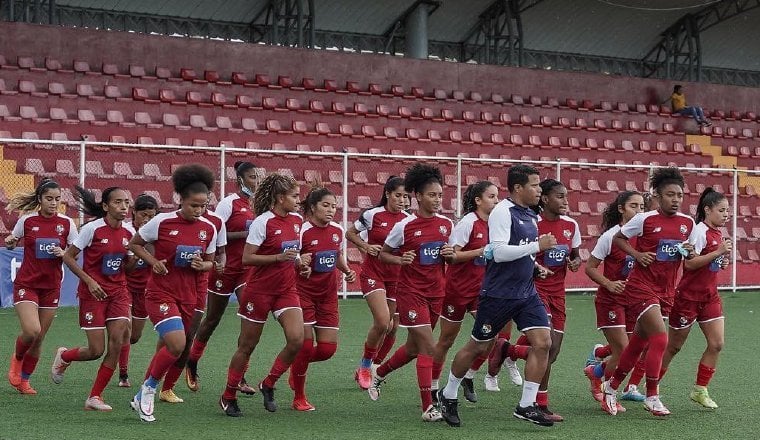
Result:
[{"x": 494, "y": 313}]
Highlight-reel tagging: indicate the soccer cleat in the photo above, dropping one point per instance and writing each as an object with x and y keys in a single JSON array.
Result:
[
  {"x": 168, "y": 396},
  {"x": 469, "y": 390},
  {"x": 95, "y": 403},
  {"x": 434, "y": 396},
  {"x": 449, "y": 409},
  {"x": 302, "y": 405},
  {"x": 268, "y": 394},
  {"x": 596, "y": 383},
  {"x": 609, "y": 399},
  {"x": 124, "y": 381},
  {"x": 230, "y": 407},
  {"x": 701, "y": 396},
  {"x": 191, "y": 376},
  {"x": 135, "y": 404},
  {"x": 431, "y": 414},
  {"x": 592, "y": 359},
  {"x": 620, "y": 408},
  {"x": 244, "y": 388},
  {"x": 146, "y": 397},
  {"x": 632, "y": 393},
  {"x": 363, "y": 377},
  {"x": 14, "y": 372},
  {"x": 554, "y": 417},
  {"x": 59, "y": 366},
  {"x": 654, "y": 406},
  {"x": 25, "y": 388},
  {"x": 514, "y": 372},
  {"x": 491, "y": 383},
  {"x": 532, "y": 414},
  {"x": 374, "y": 387}
]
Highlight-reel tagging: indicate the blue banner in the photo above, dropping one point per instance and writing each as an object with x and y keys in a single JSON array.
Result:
[{"x": 10, "y": 262}]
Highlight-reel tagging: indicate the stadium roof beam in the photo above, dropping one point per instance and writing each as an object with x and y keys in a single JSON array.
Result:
[
  {"x": 497, "y": 38},
  {"x": 678, "y": 54},
  {"x": 410, "y": 28},
  {"x": 285, "y": 23}
]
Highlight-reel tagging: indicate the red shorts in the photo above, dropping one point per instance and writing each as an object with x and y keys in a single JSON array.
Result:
[
  {"x": 455, "y": 306},
  {"x": 162, "y": 306},
  {"x": 555, "y": 308},
  {"x": 138, "y": 304},
  {"x": 320, "y": 311},
  {"x": 686, "y": 312},
  {"x": 370, "y": 285},
  {"x": 44, "y": 298},
  {"x": 229, "y": 281},
  {"x": 415, "y": 310},
  {"x": 255, "y": 307},
  {"x": 94, "y": 314},
  {"x": 610, "y": 313}
]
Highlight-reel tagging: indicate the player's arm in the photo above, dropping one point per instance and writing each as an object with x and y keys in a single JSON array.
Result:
[
  {"x": 461, "y": 256},
  {"x": 387, "y": 256},
  {"x": 698, "y": 260},
  {"x": 137, "y": 246},
  {"x": 499, "y": 227},
  {"x": 345, "y": 268},
  {"x": 252, "y": 258}
]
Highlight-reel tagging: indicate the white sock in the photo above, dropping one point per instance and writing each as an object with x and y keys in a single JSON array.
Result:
[
  {"x": 434, "y": 384},
  {"x": 470, "y": 374},
  {"x": 452, "y": 387},
  {"x": 529, "y": 392}
]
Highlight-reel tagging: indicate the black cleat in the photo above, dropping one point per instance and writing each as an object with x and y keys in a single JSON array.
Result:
[
  {"x": 532, "y": 414},
  {"x": 449, "y": 409},
  {"x": 469, "y": 390},
  {"x": 434, "y": 395},
  {"x": 268, "y": 394},
  {"x": 230, "y": 407}
]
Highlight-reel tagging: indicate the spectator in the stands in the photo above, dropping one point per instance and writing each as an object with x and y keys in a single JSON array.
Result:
[{"x": 678, "y": 104}]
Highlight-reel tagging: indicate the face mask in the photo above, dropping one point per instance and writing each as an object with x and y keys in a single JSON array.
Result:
[{"x": 245, "y": 190}]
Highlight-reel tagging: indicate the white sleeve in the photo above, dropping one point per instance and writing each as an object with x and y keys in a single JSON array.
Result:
[
  {"x": 73, "y": 234},
  {"x": 698, "y": 238},
  {"x": 576, "y": 243},
  {"x": 149, "y": 231},
  {"x": 258, "y": 232},
  {"x": 221, "y": 236},
  {"x": 460, "y": 236},
  {"x": 367, "y": 217},
  {"x": 499, "y": 232},
  {"x": 603, "y": 247},
  {"x": 395, "y": 238},
  {"x": 224, "y": 209},
  {"x": 84, "y": 240},
  {"x": 211, "y": 248},
  {"x": 634, "y": 227},
  {"x": 18, "y": 229}
]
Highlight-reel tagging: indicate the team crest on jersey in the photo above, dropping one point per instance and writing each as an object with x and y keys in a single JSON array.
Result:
[
  {"x": 683, "y": 320},
  {"x": 124, "y": 241},
  {"x": 219, "y": 284},
  {"x": 371, "y": 282},
  {"x": 59, "y": 229},
  {"x": 249, "y": 307},
  {"x": 683, "y": 229},
  {"x": 163, "y": 308},
  {"x": 449, "y": 310},
  {"x": 296, "y": 228},
  {"x": 567, "y": 233},
  {"x": 21, "y": 293},
  {"x": 173, "y": 233},
  {"x": 412, "y": 315},
  {"x": 88, "y": 316},
  {"x": 202, "y": 235},
  {"x": 335, "y": 238},
  {"x": 486, "y": 329},
  {"x": 612, "y": 315},
  {"x": 443, "y": 230}
]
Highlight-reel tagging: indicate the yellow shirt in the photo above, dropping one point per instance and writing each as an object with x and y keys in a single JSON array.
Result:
[{"x": 677, "y": 101}]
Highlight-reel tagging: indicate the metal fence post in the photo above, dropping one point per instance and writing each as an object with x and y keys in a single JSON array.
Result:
[
  {"x": 222, "y": 170},
  {"x": 459, "y": 187},
  {"x": 559, "y": 170},
  {"x": 345, "y": 217},
  {"x": 82, "y": 170},
  {"x": 735, "y": 248}
]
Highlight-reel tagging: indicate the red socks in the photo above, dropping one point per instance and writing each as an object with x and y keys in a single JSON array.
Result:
[
  {"x": 542, "y": 398},
  {"x": 299, "y": 367},
  {"x": 704, "y": 374},
  {"x": 233, "y": 380},
  {"x": 278, "y": 368},
  {"x": 172, "y": 375},
  {"x": 28, "y": 365},
  {"x": 516, "y": 352},
  {"x": 162, "y": 361},
  {"x": 638, "y": 371},
  {"x": 70, "y": 355},
  {"x": 384, "y": 349},
  {"x": 323, "y": 351},
  {"x": 653, "y": 362},
  {"x": 124, "y": 359},
  {"x": 196, "y": 350},
  {"x": 369, "y": 352},
  {"x": 398, "y": 360},
  {"x": 425, "y": 378},
  {"x": 603, "y": 352},
  {"x": 636, "y": 344},
  {"x": 522, "y": 340},
  {"x": 101, "y": 380},
  {"x": 21, "y": 348}
]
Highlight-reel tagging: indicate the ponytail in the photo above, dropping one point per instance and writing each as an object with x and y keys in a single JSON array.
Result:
[
  {"x": 611, "y": 215},
  {"x": 29, "y": 202},
  {"x": 708, "y": 199},
  {"x": 91, "y": 207}
]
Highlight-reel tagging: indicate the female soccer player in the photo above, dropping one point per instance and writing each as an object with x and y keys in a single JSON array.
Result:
[
  {"x": 378, "y": 279},
  {"x": 422, "y": 243},
  {"x": 44, "y": 234},
  {"x": 564, "y": 255},
  {"x": 609, "y": 301},
  {"x": 237, "y": 213},
  {"x": 273, "y": 247},
  {"x": 184, "y": 244},
  {"x": 145, "y": 208},
  {"x": 323, "y": 239},
  {"x": 104, "y": 301},
  {"x": 660, "y": 246},
  {"x": 697, "y": 298},
  {"x": 464, "y": 275}
]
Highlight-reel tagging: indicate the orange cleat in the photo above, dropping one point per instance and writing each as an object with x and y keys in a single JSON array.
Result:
[
  {"x": 302, "y": 405},
  {"x": 14, "y": 372},
  {"x": 25, "y": 388}
]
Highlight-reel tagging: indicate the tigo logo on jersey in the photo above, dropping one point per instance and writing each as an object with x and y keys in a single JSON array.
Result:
[
  {"x": 185, "y": 254},
  {"x": 412, "y": 315},
  {"x": 324, "y": 261},
  {"x": 555, "y": 256},
  {"x": 717, "y": 263},
  {"x": 202, "y": 235},
  {"x": 163, "y": 308},
  {"x": 173, "y": 233},
  {"x": 59, "y": 229},
  {"x": 627, "y": 266},
  {"x": 430, "y": 253},
  {"x": 45, "y": 248},
  {"x": 290, "y": 245},
  {"x": 111, "y": 264},
  {"x": 667, "y": 250}
]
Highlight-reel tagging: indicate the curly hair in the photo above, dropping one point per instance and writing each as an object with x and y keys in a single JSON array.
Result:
[
  {"x": 547, "y": 186},
  {"x": 87, "y": 203},
  {"x": 419, "y": 175},
  {"x": 192, "y": 179},
  {"x": 611, "y": 215},
  {"x": 473, "y": 192},
  {"x": 272, "y": 186},
  {"x": 28, "y": 202},
  {"x": 708, "y": 199},
  {"x": 662, "y": 177}
]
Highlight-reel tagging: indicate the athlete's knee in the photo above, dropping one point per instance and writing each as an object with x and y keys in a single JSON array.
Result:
[
  {"x": 176, "y": 348},
  {"x": 134, "y": 338},
  {"x": 715, "y": 345},
  {"x": 542, "y": 344},
  {"x": 31, "y": 334}
]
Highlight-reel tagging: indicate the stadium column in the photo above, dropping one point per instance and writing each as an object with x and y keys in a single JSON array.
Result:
[{"x": 416, "y": 28}]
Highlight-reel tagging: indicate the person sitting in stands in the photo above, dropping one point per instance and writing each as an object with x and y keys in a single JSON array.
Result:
[{"x": 678, "y": 104}]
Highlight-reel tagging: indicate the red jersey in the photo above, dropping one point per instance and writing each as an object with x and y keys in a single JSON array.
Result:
[
  {"x": 274, "y": 235},
  {"x": 702, "y": 284},
  {"x": 104, "y": 250},
  {"x": 138, "y": 278},
  {"x": 424, "y": 236},
  {"x": 378, "y": 222},
  {"x": 464, "y": 279},
  {"x": 237, "y": 215},
  {"x": 658, "y": 233},
  {"x": 177, "y": 241},
  {"x": 221, "y": 231},
  {"x": 617, "y": 264},
  {"x": 568, "y": 236},
  {"x": 324, "y": 244},
  {"x": 38, "y": 235}
]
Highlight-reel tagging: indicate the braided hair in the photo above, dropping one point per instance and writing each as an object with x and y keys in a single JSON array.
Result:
[
  {"x": 272, "y": 186},
  {"x": 30, "y": 201}
]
